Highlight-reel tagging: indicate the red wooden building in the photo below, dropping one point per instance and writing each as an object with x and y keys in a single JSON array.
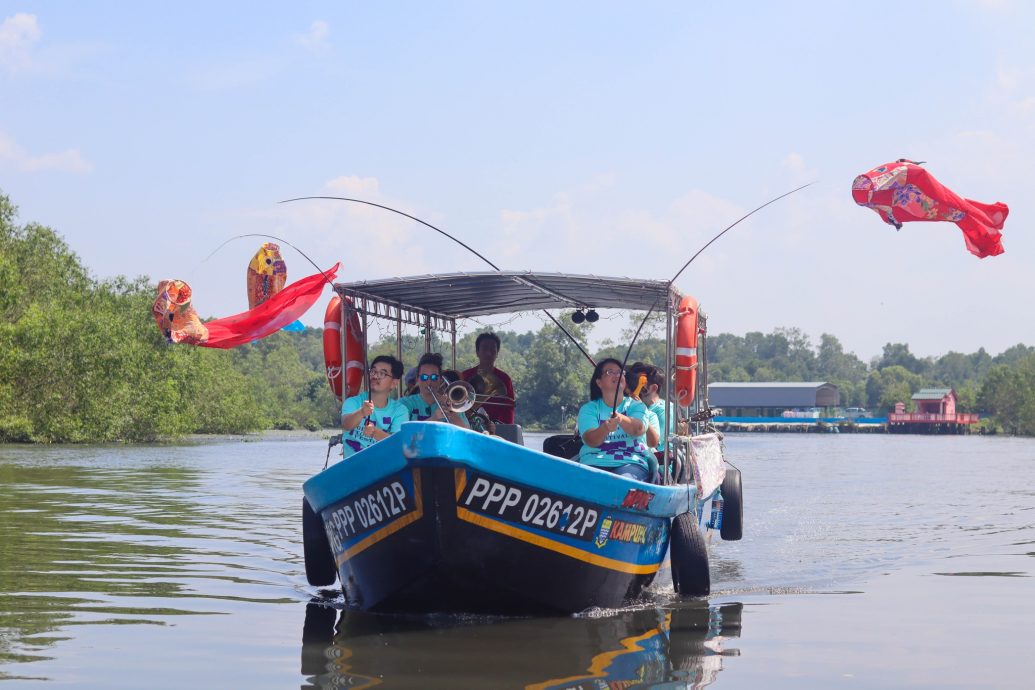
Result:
[{"x": 935, "y": 414}]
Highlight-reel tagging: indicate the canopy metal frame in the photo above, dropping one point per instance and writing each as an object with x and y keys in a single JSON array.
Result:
[{"x": 436, "y": 302}]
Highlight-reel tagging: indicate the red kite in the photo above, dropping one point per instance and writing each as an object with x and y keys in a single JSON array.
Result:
[
  {"x": 903, "y": 191},
  {"x": 179, "y": 323}
]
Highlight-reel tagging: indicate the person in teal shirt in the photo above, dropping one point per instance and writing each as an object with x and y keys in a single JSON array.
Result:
[
  {"x": 367, "y": 420},
  {"x": 422, "y": 406},
  {"x": 650, "y": 396},
  {"x": 617, "y": 442}
]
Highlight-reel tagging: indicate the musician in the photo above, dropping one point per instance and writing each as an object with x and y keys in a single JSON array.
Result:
[
  {"x": 490, "y": 381},
  {"x": 367, "y": 418},
  {"x": 422, "y": 405},
  {"x": 615, "y": 441}
]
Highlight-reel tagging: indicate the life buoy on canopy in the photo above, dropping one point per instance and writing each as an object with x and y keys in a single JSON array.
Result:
[
  {"x": 686, "y": 350},
  {"x": 332, "y": 350}
]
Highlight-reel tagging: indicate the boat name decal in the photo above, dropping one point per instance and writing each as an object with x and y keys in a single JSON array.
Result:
[
  {"x": 637, "y": 499},
  {"x": 533, "y": 508},
  {"x": 625, "y": 531},
  {"x": 368, "y": 509}
]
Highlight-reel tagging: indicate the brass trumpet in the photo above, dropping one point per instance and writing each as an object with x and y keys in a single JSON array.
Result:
[{"x": 460, "y": 396}]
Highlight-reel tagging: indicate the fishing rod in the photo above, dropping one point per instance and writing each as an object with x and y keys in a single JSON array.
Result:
[
  {"x": 444, "y": 234},
  {"x": 747, "y": 215}
]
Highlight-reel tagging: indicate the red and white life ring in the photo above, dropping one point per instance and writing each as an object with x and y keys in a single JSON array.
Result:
[
  {"x": 686, "y": 351},
  {"x": 332, "y": 350}
]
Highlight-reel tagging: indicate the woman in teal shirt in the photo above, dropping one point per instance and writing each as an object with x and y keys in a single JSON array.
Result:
[{"x": 617, "y": 442}]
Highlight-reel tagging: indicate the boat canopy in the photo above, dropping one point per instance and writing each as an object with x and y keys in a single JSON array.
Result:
[{"x": 453, "y": 296}]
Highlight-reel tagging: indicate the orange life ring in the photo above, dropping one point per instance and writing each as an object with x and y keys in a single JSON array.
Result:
[
  {"x": 686, "y": 351},
  {"x": 332, "y": 350}
]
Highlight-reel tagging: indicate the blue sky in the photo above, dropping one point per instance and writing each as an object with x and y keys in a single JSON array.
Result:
[{"x": 607, "y": 138}]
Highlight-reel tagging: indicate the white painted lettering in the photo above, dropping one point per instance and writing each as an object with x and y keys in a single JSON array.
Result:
[
  {"x": 480, "y": 488},
  {"x": 495, "y": 494},
  {"x": 511, "y": 499}
]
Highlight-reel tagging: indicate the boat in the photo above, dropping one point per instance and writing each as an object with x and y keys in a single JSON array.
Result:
[{"x": 438, "y": 518}]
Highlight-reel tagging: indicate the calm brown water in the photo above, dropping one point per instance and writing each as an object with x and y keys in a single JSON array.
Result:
[{"x": 868, "y": 562}]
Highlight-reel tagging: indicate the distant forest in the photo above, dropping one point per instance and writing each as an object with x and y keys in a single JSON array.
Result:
[{"x": 81, "y": 361}]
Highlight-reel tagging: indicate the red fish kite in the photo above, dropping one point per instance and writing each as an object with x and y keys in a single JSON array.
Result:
[
  {"x": 179, "y": 323},
  {"x": 903, "y": 191}
]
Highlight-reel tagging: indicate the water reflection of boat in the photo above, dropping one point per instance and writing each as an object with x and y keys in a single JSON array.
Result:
[
  {"x": 682, "y": 645},
  {"x": 439, "y": 518}
]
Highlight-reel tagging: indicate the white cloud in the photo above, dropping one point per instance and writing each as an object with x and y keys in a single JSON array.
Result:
[
  {"x": 353, "y": 185},
  {"x": 316, "y": 38},
  {"x": 19, "y": 33},
  {"x": 69, "y": 160},
  {"x": 799, "y": 170}
]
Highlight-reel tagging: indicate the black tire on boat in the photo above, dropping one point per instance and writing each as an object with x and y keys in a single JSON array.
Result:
[
  {"x": 690, "y": 574},
  {"x": 732, "y": 506},
  {"x": 319, "y": 562}
]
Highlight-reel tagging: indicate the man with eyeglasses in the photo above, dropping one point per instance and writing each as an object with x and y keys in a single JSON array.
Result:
[
  {"x": 366, "y": 419},
  {"x": 422, "y": 405}
]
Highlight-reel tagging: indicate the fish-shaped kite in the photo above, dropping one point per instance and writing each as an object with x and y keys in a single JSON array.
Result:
[
  {"x": 179, "y": 323},
  {"x": 267, "y": 273},
  {"x": 903, "y": 191}
]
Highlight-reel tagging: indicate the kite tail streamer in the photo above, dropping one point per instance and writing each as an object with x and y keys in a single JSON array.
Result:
[{"x": 278, "y": 311}]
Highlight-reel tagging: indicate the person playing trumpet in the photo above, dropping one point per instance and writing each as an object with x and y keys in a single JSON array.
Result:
[
  {"x": 491, "y": 382},
  {"x": 429, "y": 402}
]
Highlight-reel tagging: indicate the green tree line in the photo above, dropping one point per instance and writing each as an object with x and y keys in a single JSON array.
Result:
[{"x": 81, "y": 360}]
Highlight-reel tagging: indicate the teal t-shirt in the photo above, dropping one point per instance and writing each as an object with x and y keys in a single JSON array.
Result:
[
  {"x": 658, "y": 409},
  {"x": 619, "y": 448},
  {"x": 419, "y": 410},
  {"x": 389, "y": 418}
]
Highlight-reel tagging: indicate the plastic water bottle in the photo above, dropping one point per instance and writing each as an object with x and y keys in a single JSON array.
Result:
[{"x": 715, "y": 522}]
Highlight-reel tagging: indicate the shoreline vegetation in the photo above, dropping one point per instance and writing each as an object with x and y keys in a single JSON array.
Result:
[{"x": 82, "y": 362}]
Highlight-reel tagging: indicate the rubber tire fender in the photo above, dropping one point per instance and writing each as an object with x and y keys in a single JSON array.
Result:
[
  {"x": 319, "y": 562},
  {"x": 732, "y": 506},
  {"x": 689, "y": 553}
]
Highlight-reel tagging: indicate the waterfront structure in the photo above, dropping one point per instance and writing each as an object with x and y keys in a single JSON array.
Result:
[
  {"x": 774, "y": 398},
  {"x": 935, "y": 414}
]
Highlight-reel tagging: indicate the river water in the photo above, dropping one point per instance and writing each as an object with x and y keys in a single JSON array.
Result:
[{"x": 868, "y": 561}]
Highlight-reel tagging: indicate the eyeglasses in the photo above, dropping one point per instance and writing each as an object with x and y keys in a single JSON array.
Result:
[
  {"x": 380, "y": 373},
  {"x": 613, "y": 373},
  {"x": 429, "y": 377}
]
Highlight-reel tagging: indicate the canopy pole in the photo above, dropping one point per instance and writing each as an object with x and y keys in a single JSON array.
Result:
[
  {"x": 668, "y": 389},
  {"x": 427, "y": 331},
  {"x": 366, "y": 356},
  {"x": 399, "y": 348},
  {"x": 452, "y": 323}
]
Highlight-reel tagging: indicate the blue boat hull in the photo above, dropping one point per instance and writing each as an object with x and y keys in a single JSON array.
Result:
[{"x": 438, "y": 518}]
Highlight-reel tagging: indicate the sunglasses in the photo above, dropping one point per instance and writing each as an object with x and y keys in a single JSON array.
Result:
[{"x": 429, "y": 377}]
